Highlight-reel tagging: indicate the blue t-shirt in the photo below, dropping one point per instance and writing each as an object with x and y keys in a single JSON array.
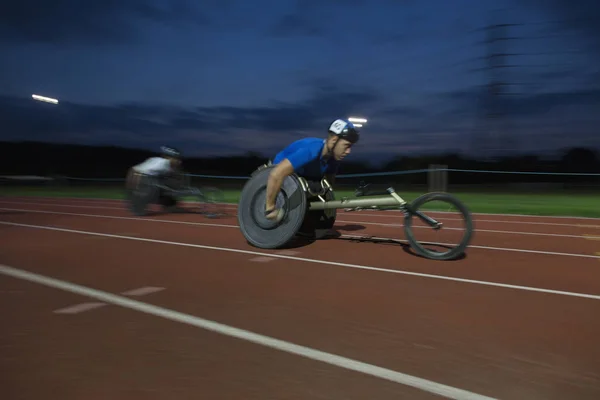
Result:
[{"x": 305, "y": 157}]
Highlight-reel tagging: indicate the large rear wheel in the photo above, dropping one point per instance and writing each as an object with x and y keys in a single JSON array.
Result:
[{"x": 256, "y": 228}]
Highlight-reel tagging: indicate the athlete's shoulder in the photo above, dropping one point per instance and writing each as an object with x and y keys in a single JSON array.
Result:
[
  {"x": 157, "y": 161},
  {"x": 311, "y": 140},
  {"x": 312, "y": 144},
  {"x": 301, "y": 152}
]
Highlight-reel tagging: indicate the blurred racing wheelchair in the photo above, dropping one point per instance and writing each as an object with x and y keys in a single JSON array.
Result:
[
  {"x": 314, "y": 204},
  {"x": 169, "y": 191}
]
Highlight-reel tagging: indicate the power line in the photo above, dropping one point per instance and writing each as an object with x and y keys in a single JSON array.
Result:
[
  {"x": 497, "y": 36},
  {"x": 565, "y": 21},
  {"x": 494, "y": 135}
]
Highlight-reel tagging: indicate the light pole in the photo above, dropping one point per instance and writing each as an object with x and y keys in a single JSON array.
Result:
[
  {"x": 44, "y": 99},
  {"x": 358, "y": 122}
]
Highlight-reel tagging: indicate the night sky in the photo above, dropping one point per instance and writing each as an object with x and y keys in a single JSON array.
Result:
[{"x": 229, "y": 77}]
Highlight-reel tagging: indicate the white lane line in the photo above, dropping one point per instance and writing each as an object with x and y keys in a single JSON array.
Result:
[
  {"x": 496, "y": 221},
  {"x": 358, "y": 214},
  {"x": 547, "y": 253},
  {"x": 168, "y": 221},
  {"x": 262, "y": 259},
  {"x": 338, "y": 220},
  {"x": 112, "y": 201},
  {"x": 315, "y": 261},
  {"x": 287, "y": 252},
  {"x": 61, "y": 205},
  {"x": 462, "y": 229},
  {"x": 82, "y": 307},
  {"x": 597, "y": 219},
  {"x": 142, "y": 291},
  {"x": 389, "y": 225},
  {"x": 78, "y": 308},
  {"x": 473, "y": 246},
  {"x": 288, "y": 347}
]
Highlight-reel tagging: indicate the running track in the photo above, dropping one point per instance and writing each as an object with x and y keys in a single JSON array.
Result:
[{"x": 215, "y": 318}]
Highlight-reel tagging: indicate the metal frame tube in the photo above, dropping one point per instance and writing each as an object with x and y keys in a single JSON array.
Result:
[{"x": 378, "y": 201}]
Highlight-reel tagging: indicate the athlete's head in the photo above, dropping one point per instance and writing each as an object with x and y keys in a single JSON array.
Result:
[
  {"x": 342, "y": 135},
  {"x": 171, "y": 154}
]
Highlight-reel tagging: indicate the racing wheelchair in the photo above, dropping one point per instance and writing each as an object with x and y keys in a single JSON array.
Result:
[
  {"x": 305, "y": 203},
  {"x": 169, "y": 191}
]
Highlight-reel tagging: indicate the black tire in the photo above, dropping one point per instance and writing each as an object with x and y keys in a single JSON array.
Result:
[
  {"x": 167, "y": 201},
  {"x": 259, "y": 231},
  {"x": 454, "y": 252},
  {"x": 145, "y": 193}
]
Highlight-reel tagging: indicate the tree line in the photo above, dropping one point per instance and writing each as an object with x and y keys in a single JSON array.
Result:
[{"x": 50, "y": 159}]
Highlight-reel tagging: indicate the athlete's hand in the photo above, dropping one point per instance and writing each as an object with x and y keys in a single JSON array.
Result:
[{"x": 275, "y": 214}]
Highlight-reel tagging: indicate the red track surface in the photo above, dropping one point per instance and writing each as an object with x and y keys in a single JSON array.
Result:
[{"x": 501, "y": 342}]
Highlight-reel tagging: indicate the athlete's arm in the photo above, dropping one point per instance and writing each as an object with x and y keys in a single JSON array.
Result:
[
  {"x": 276, "y": 177},
  {"x": 160, "y": 167},
  {"x": 133, "y": 175},
  {"x": 129, "y": 178},
  {"x": 330, "y": 175},
  {"x": 330, "y": 178},
  {"x": 285, "y": 168}
]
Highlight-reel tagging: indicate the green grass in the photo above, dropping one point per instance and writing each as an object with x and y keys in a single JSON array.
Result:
[{"x": 552, "y": 204}]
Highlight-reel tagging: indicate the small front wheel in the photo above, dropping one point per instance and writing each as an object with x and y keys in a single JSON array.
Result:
[{"x": 420, "y": 215}]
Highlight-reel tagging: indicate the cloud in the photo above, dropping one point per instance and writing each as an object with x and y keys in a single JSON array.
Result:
[
  {"x": 296, "y": 24},
  {"x": 148, "y": 126},
  {"x": 581, "y": 17},
  {"x": 445, "y": 123},
  {"x": 531, "y": 106},
  {"x": 88, "y": 22},
  {"x": 544, "y": 103},
  {"x": 302, "y": 20},
  {"x": 315, "y": 18}
]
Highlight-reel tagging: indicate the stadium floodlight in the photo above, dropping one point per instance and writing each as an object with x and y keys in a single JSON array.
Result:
[
  {"x": 359, "y": 120},
  {"x": 44, "y": 99},
  {"x": 358, "y": 125}
]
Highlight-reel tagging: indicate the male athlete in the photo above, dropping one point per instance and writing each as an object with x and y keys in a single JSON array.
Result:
[
  {"x": 161, "y": 167},
  {"x": 312, "y": 159}
]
